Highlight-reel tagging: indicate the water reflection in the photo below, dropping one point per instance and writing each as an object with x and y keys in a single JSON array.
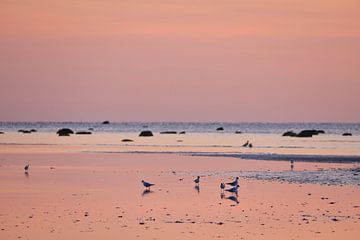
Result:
[
  {"x": 146, "y": 192},
  {"x": 222, "y": 195},
  {"x": 26, "y": 174},
  {"x": 197, "y": 188},
  {"x": 234, "y": 199}
]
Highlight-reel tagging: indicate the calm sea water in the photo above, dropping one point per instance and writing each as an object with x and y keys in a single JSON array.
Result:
[
  {"x": 193, "y": 127},
  {"x": 200, "y": 138}
]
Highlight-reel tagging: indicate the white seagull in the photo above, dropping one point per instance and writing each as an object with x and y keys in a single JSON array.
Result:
[
  {"x": 27, "y": 167},
  {"x": 233, "y": 190},
  {"x": 197, "y": 180},
  {"x": 147, "y": 184},
  {"x": 234, "y": 183}
]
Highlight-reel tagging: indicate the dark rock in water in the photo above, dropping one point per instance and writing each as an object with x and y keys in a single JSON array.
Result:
[
  {"x": 238, "y": 132},
  {"x": 308, "y": 133},
  {"x": 83, "y": 133},
  {"x": 21, "y": 130},
  {"x": 26, "y": 131},
  {"x": 321, "y": 131},
  {"x": 347, "y": 134},
  {"x": 127, "y": 140},
  {"x": 62, "y": 134},
  {"x": 146, "y": 134},
  {"x": 105, "y": 122},
  {"x": 289, "y": 134},
  {"x": 65, "y": 132},
  {"x": 182, "y": 132},
  {"x": 91, "y": 129},
  {"x": 168, "y": 132},
  {"x": 220, "y": 129},
  {"x": 33, "y": 130},
  {"x": 1, "y": 132}
]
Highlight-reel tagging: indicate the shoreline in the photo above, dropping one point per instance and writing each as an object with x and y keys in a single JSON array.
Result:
[{"x": 96, "y": 195}]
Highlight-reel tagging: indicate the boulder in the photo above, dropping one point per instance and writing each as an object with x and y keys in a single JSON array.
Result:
[
  {"x": 33, "y": 130},
  {"x": 21, "y": 130},
  {"x": 105, "y": 122},
  {"x": 65, "y": 132},
  {"x": 62, "y": 134},
  {"x": 26, "y": 131},
  {"x": 168, "y": 132},
  {"x": 308, "y": 133},
  {"x": 1, "y": 132},
  {"x": 347, "y": 134},
  {"x": 83, "y": 133},
  {"x": 146, "y": 134},
  {"x": 182, "y": 132},
  {"x": 289, "y": 134},
  {"x": 220, "y": 129},
  {"x": 238, "y": 132},
  {"x": 127, "y": 140}
]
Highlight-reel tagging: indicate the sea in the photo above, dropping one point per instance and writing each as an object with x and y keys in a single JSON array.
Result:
[
  {"x": 212, "y": 139},
  {"x": 197, "y": 138}
]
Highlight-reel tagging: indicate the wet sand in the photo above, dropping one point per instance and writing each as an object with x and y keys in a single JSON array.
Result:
[{"x": 100, "y": 196}]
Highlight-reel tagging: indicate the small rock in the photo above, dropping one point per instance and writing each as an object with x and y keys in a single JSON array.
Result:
[{"x": 83, "y": 133}]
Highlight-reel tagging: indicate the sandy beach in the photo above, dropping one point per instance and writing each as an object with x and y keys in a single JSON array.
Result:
[{"x": 93, "y": 196}]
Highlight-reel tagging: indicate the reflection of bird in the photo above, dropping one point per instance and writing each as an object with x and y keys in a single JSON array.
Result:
[
  {"x": 197, "y": 188},
  {"x": 147, "y": 184},
  {"x": 233, "y": 190},
  {"x": 246, "y": 144},
  {"x": 197, "y": 180},
  {"x": 222, "y": 195},
  {"x": 234, "y": 199},
  {"x": 146, "y": 191},
  {"x": 234, "y": 183},
  {"x": 222, "y": 186},
  {"x": 26, "y": 167}
]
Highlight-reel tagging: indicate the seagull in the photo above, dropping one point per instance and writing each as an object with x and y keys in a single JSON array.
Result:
[
  {"x": 234, "y": 183},
  {"x": 233, "y": 190},
  {"x": 147, "y": 184},
  {"x": 26, "y": 167},
  {"x": 246, "y": 144},
  {"x": 197, "y": 180},
  {"x": 222, "y": 186}
]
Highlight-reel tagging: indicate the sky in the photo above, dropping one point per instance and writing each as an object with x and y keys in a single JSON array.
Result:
[{"x": 180, "y": 60}]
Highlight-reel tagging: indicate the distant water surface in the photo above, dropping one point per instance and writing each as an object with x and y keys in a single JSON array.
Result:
[{"x": 199, "y": 138}]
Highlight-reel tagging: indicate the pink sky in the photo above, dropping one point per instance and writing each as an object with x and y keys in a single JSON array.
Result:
[{"x": 180, "y": 60}]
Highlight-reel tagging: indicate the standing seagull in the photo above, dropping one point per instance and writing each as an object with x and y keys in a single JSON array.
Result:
[
  {"x": 26, "y": 168},
  {"x": 197, "y": 180},
  {"x": 233, "y": 190},
  {"x": 147, "y": 184},
  {"x": 234, "y": 183},
  {"x": 222, "y": 186},
  {"x": 246, "y": 144}
]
